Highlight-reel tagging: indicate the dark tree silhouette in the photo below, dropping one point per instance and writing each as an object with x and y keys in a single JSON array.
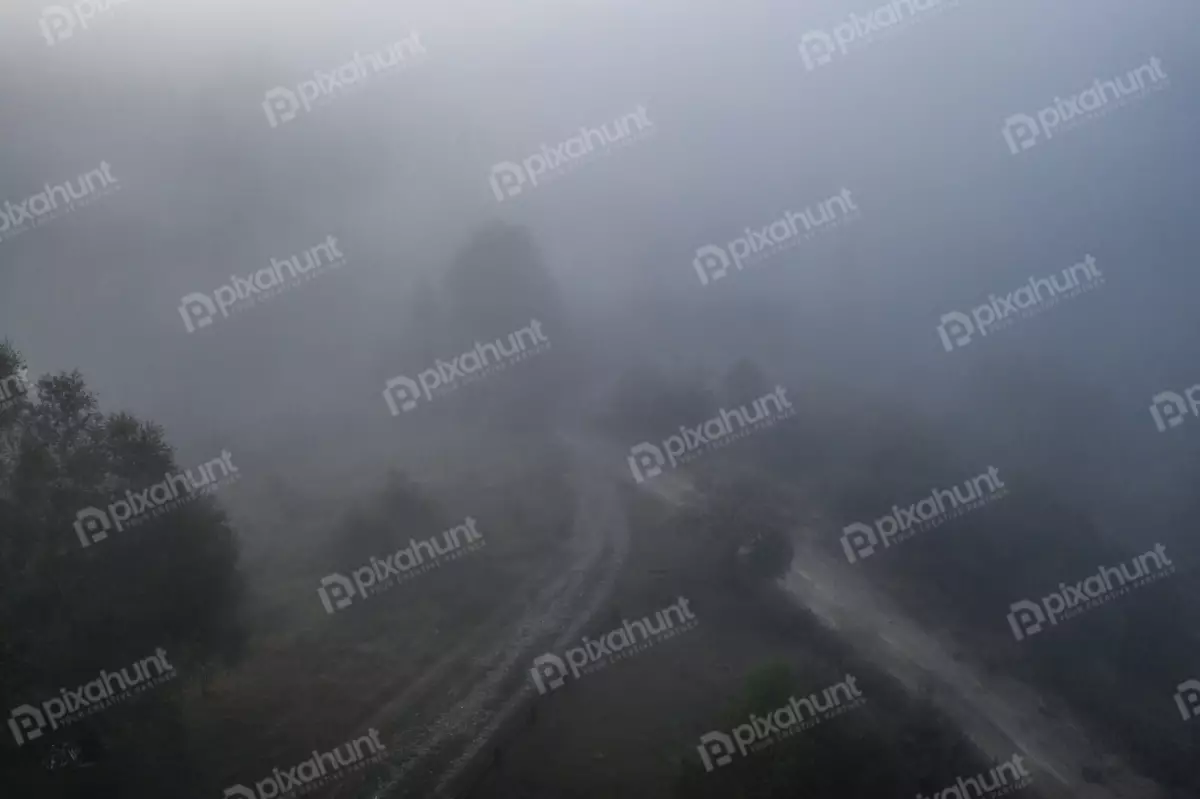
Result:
[{"x": 67, "y": 612}]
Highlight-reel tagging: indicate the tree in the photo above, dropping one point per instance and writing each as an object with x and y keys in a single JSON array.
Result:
[
  {"x": 646, "y": 402},
  {"x": 424, "y": 322},
  {"x": 403, "y": 511},
  {"x": 745, "y": 382},
  {"x": 68, "y": 612},
  {"x": 498, "y": 282}
]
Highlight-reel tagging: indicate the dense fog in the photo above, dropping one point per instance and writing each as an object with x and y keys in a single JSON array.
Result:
[{"x": 362, "y": 359}]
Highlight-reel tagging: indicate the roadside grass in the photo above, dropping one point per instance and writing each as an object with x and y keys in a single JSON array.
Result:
[{"x": 308, "y": 677}]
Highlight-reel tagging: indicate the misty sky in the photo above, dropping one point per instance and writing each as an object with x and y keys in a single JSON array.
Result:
[{"x": 169, "y": 94}]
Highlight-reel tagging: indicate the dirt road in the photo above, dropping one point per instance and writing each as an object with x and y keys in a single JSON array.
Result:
[
  {"x": 484, "y": 678},
  {"x": 1001, "y": 715}
]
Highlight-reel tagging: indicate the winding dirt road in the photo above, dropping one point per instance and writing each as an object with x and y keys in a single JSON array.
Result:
[
  {"x": 485, "y": 675},
  {"x": 1001, "y": 715}
]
